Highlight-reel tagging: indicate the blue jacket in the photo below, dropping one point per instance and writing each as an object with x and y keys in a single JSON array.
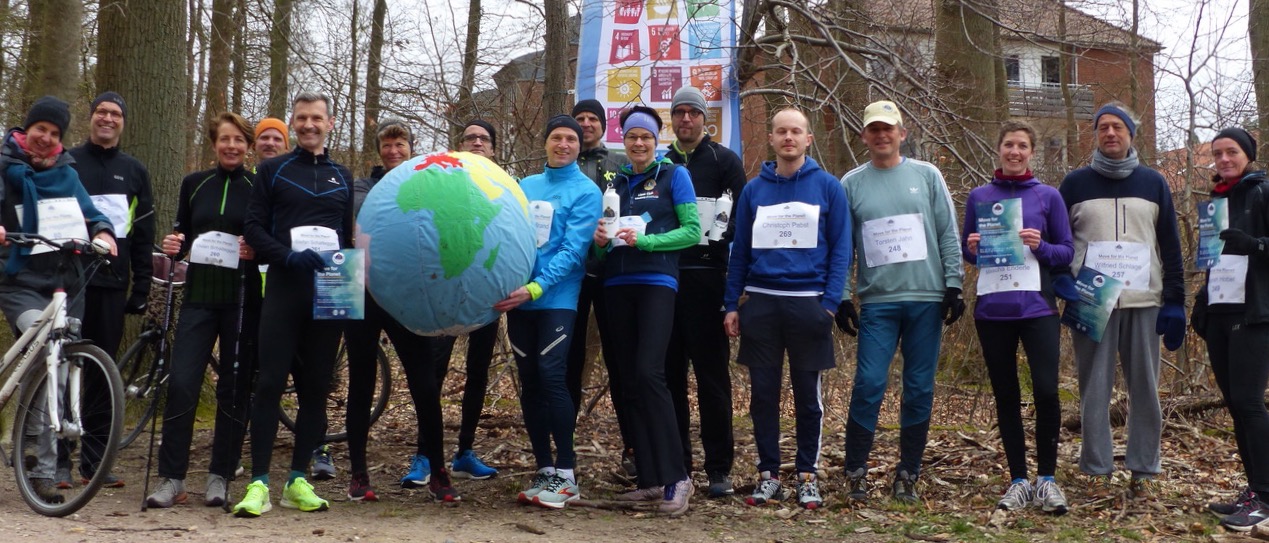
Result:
[
  {"x": 663, "y": 193},
  {"x": 1042, "y": 209},
  {"x": 822, "y": 269},
  {"x": 561, "y": 261}
]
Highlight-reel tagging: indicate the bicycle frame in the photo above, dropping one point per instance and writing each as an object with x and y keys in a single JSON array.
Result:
[{"x": 47, "y": 332}]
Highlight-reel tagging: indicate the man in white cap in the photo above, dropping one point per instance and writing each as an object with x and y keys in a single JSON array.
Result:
[{"x": 908, "y": 280}]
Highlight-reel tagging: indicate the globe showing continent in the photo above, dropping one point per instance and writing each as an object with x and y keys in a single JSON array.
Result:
[{"x": 446, "y": 237}]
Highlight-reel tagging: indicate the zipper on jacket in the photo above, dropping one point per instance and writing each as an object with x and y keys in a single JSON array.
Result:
[{"x": 224, "y": 195}]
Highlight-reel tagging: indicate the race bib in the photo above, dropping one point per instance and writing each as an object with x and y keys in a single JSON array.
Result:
[
  {"x": 215, "y": 249},
  {"x": 1227, "y": 280},
  {"x": 791, "y": 225},
  {"x": 60, "y": 219},
  {"x": 637, "y": 222},
  {"x": 1126, "y": 261},
  {"x": 1023, "y": 277},
  {"x": 891, "y": 240},
  {"x": 115, "y": 208},
  {"x": 543, "y": 213},
  {"x": 317, "y": 238}
]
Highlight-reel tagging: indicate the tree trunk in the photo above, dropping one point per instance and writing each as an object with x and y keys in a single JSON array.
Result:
[
  {"x": 55, "y": 40},
  {"x": 145, "y": 40},
  {"x": 350, "y": 107},
  {"x": 1068, "y": 101},
  {"x": 370, "y": 145},
  {"x": 965, "y": 54},
  {"x": 239, "y": 56},
  {"x": 196, "y": 61},
  {"x": 555, "y": 91},
  {"x": 279, "y": 55},
  {"x": 465, "y": 108},
  {"x": 221, "y": 37},
  {"x": 1258, "y": 32}
]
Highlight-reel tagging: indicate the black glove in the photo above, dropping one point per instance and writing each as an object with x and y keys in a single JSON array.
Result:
[
  {"x": 847, "y": 319},
  {"x": 953, "y": 306},
  {"x": 1064, "y": 287},
  {"x": 306, "y": 260},
  {"x": 1238, "y": 242},
  {"x": 136, "y": 303},
  {"x": 1198, "y": 319}
]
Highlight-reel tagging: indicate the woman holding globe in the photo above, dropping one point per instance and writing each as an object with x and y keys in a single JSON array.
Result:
[{"x": 656, "y": 218}]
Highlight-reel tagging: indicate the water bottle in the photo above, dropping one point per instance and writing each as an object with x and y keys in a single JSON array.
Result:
[
  {"x": 612, "y": 207},
  {"x": 722, "y": 214}
]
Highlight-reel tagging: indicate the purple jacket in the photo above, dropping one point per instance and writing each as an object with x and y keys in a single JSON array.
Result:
[{"x": 1042, "y": 209}]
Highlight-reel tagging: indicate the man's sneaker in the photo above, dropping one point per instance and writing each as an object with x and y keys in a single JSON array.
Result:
[
  {"x": 1253, "y": 513},
  {"x": 557, "y": 493},
  {"x": 858, "y": 482},
  {"x": 256, "y": 502},
  {"x": 420, "y": 472},
  {"x": 1017, "y": 497},
  {"x": 441, "y": 488},
  {"x": 217, "y": 491},
  {"x": 1226, "y": 509},
  {"x": 1049, "y": 497},
  {"x": 809, "y": 491},
  {"x": 47, "y": 490},
  {"x": 904, "y": 488},
  {"x": 642, "y": 495},
  {"x": 628, "y": 464},
  {"x": 540, "y": 480},
  {"x": 298, "y": 494},
  {"x": 63, "y": 478},
  {"x": 1099, "y": 487},
  {"x": 170, "y": 492},
  {"x": 467, "y": 466},
  {"x": 110, "y": 482},
  {"x": 323, "y": 464},
  {"x": 720, "y": 485},
  {"x": 1140, "y": 488},
  {"x": 359, "y": 488},
  {"x": 676, "y": 498},
  {"x": 767, "y": 491}
]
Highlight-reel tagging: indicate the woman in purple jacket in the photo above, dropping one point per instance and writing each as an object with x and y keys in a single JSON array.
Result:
[{"x": 1016, "y": 302}]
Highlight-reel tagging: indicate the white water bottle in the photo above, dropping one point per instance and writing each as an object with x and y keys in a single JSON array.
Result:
[
  {"x": 722, "y": 215},
  {"x": 612, "y": 208}
]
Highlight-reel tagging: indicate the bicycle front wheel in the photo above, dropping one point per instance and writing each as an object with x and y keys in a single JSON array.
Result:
[
  {"x": 35, "y": 447},
  {"x": 139, "y": 371}
]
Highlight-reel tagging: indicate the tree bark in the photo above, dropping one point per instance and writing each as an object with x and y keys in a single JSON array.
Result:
[
  {"x": 467, "y": 80},
  {"x": 1258, "y": 32},
  {"x": 965, "y": 56},
  {"x": 279, "y": 55},
  {"x": 239, "y": 56},
  {"x": 555, "y": 91},
  {"x": 54, "y": 48},
  {"x": 373, "y": 78},
  {"x": 145, "y": 40},
  {"x": 350, "y": 106},
  {"x": 221, "y": 38}
]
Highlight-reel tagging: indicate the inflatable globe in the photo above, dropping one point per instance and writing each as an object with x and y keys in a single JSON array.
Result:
[{"x": 446, "y": 237}]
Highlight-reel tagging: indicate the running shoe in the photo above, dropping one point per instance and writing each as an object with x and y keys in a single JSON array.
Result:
[
  {"x": 676, "y": 498},
  {"x": 904, "y": 488},
  {"x": 858, "y": 481},
  {"x": 420, "y": 472},
  {"x": 720, "y": 485},
  {"x": 441, "y": 488},
  {"x": 323, "y": 464},
  {"x": 809, "y": 492},
  {"x": 298, "y": 494},
  {"x": 642, "y": 495},
  {"x": 557, "y": 493},
  {"x": 1049, "y": 497},
  {"x": 540, "y": 480},
  {"x": 47, "y": 490},
  {"x": 63, "y": 478},
  {"x": 767, "y": 491},
  {"x": 359, "y": 488},
  {"x": 1141, "y": 488},
  {"x": 169, "y": 492},
  {"x": 467, "y": 466},
  {"x": 1254, "y": 512},
  {"x": 217, "y": 491},
  {"x": 256, "y": 502},
  {"x": 1226, "y": 509},
  {"x": 1099, "y": 487},
  {"x": 1017, "y": 497}
]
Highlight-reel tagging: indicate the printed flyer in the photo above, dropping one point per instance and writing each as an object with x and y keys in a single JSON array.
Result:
[
  {"x": 1098, "y": 294},
  {"x": 999, "y": 224},
  {"x": 1213, "y": 216},
  {"x": 340, "y": 287}
]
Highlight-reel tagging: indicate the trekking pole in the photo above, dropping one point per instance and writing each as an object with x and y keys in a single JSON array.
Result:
[
  {"x": 233, "y": 389},
  {"x": 158, "y": 372}
]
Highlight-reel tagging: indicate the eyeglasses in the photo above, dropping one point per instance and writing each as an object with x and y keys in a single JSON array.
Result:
[
  {"x": 686, "y": 113},
  {"x": 469, "y": 138},
  {"x": 632, "y": 138},
  {"x": 107, "y": 114}
]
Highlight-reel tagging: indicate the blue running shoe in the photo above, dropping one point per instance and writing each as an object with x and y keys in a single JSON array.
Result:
[
  {"x": 420, "y": 472},
  {"x": 467, "y": 466}
]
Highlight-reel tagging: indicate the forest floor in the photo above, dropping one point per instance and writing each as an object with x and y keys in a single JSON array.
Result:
[{"x": 963, "y": 476}]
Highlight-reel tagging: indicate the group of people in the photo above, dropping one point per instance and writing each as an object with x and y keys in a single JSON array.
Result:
[{"x": 671, "y": 267}]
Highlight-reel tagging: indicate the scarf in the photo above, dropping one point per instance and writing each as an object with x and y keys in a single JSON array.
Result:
[
  {"x": 38, "y": 162},
  {"x": 1112, "y": 168},
  {"x": 57, "y": 182}
]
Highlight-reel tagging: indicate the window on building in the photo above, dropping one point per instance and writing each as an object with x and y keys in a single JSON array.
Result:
[
  {"x": 1051, "y": 70},
  {"x": 1013, "y": 70}
]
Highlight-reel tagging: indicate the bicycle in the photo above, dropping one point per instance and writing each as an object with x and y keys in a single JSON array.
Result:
[{"x": 52, "y": 408}]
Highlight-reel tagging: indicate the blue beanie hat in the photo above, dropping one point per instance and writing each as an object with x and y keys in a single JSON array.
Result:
[{"x": 1111, "y": 109}]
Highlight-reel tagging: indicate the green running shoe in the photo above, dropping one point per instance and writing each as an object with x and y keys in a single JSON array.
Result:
[
  {"x": 255, "y": 503},
  {"x": 298, "y": 494}
]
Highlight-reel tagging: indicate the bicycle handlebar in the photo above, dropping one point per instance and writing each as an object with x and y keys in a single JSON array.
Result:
[{"x": 96, "y": 247}]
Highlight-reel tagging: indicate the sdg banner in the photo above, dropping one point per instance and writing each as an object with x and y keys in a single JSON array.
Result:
[{"x": 641, "y": 51}]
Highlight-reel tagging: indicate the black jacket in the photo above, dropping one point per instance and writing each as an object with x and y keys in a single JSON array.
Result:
[
  {"x": 714, "y": 169},
  {"x": 1249, "y": 212},
  {"x": 601, "y": 164},
  {"x": 113, "y": 172},
  {"x": 215, "y": 200},
  {"x": 297, "y": 189}
]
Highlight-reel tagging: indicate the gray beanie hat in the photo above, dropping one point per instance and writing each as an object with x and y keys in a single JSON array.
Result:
[{"x": 689, "y": 96}]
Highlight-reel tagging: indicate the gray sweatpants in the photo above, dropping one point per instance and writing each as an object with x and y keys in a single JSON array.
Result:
[{"x": 1130, "y": 333}]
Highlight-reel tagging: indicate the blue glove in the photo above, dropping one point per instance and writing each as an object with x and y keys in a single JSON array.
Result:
[
  {"x": 1171, "y": 324},
  {"x": 1064, "y": 287},
  {"x": 306, "y": 260}
]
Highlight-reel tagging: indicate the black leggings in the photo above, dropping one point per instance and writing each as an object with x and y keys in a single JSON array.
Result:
[
  {"x": 291, "y": 343},
  {"x": 1040, "y": 339},
  {"x": 480, "y": 347},
  {"x": 1237, "y": 352},
  {"x": 361, "y": 338}
]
